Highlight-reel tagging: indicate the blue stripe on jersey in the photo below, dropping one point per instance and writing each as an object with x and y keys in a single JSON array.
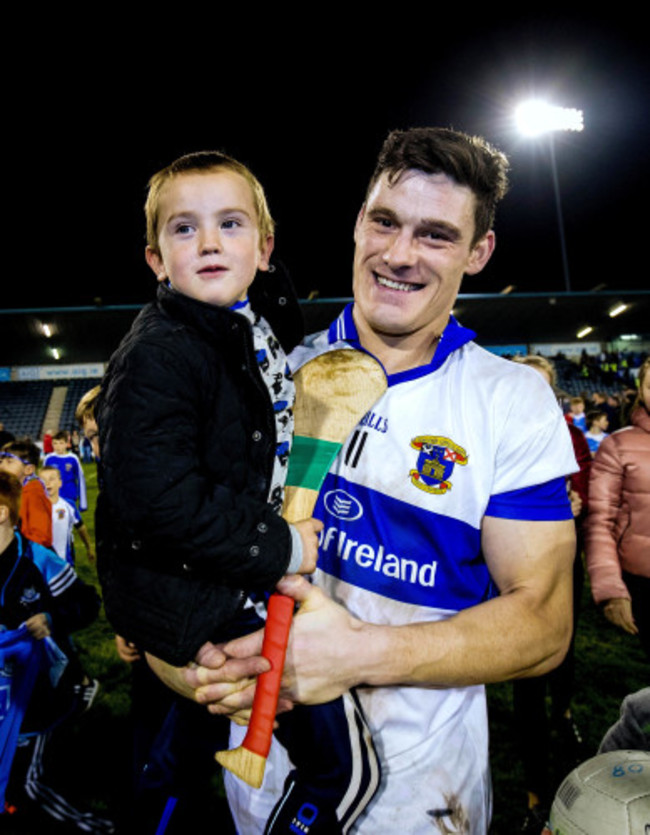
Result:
[
  {"x": 541, "y": 503},
  {"x": 375, "y": 541},
  {"x": 453, "y": 337}
]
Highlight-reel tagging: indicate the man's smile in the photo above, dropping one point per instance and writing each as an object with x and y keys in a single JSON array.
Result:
[{"x": 392, "y": 284}]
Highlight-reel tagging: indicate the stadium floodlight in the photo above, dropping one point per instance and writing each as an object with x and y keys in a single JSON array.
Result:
[
  {"x": 618, "y": 308},
  {"x": 584, "y": 331},
  {"x": 536, "y": 117}
]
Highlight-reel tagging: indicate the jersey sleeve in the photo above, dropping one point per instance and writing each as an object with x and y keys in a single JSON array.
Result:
[
  {"x": 541, "y": 503},
  {"x": 534, "y": 446}
]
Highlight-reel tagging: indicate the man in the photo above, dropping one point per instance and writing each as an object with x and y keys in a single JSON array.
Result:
[{"x": 448, "y": 494}]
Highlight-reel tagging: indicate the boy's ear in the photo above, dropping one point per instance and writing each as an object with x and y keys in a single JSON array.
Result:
[
  {"x": 156, "y": 263},
  {"x": 4, "y": 513},
  {"x": 265, "y": 253}
]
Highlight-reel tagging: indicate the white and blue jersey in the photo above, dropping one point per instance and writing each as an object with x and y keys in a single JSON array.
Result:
[
  {"x": 467, "y": 436},
  {"x": 73, "y": 481},
  {"x": 65, "y": 517}
]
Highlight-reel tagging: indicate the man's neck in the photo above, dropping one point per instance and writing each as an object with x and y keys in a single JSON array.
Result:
[{"x": 399, "y": 352}]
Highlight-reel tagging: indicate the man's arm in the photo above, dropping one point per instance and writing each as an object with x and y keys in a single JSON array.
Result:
[{"x": 523, "y": 632}]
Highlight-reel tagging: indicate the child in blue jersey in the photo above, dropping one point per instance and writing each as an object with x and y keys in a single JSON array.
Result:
[
  {"x": 65, "y": 518},
  {"x": 73, "y": 487},
  {"x": 597, "y": 423}
]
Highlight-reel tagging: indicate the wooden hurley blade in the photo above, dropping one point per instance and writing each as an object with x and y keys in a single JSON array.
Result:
[{"x": 333, "y": 393}]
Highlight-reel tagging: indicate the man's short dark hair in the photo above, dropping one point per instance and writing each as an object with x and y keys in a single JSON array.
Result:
[{"x": 469, "y": 160}]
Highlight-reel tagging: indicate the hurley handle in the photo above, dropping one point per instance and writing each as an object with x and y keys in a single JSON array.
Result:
[{"x": 276, "y": 636}]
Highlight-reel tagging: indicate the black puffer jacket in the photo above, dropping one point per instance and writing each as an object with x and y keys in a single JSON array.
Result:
[{"x": 187, "y": 441}]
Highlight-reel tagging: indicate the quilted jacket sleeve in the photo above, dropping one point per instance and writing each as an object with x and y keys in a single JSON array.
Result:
[{"x": 603, "y": 523}]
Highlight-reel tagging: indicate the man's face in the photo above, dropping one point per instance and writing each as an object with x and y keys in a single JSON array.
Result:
[
  {"x": 209, "y": 237},
  {"x": 59, "y": 446},
  {"x": 413, "y": 246},
  {"x": 52, "y": 481},
  {"x": 92, "y": 433}
]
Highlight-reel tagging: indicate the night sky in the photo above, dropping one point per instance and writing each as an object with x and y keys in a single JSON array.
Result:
[{"x": 306, "y": 103}]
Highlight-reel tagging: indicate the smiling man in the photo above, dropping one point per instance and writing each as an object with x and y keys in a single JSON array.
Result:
[{"x": 446, "y": 552}]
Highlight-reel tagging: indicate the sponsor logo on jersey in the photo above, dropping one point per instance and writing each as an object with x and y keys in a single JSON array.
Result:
[
  {"x": 342, "y": 505},
  {"x": 435, "y": 463},
  {"x": 337, "y": 543}
]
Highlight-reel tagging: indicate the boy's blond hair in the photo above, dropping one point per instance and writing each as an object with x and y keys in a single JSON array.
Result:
[
  {"x": 540, "y": 363},
  {"x": 203, "y": 162}
]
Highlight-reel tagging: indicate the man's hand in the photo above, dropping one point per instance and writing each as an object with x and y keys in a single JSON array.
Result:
[
  {"x": 38, "y": 626},
  {"x": 618, "y": 611},
  {"x": 126, "y": 650},
  {"x": 228, "y": 687},
  {"x": 224, "y": 676}
]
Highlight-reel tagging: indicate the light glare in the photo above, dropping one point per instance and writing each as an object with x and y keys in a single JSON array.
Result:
[
  {"x": 536, "y": 117},
  {"x": 584, "y": 332},
  {"x": 619, "y": 308}
]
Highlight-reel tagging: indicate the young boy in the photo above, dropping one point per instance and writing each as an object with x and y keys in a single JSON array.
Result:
[
  {"x": 195, "y": 423},
  {"x": 65, "y": 517},
  {"x": 576, "y": 415},
  {"x": 597, "y": 423},
  {"x": 72, "y": 475},
  {"x": 21, "y": 458}
]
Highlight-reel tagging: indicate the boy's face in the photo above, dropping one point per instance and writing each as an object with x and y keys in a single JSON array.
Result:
[
  {"x": 12, "y": 464},
  {"x": 52, "y": 481},
  {"x": 59, "y": 446},
  {"x": 602, "y": 423},
  {"x": 209, "y": 238}
]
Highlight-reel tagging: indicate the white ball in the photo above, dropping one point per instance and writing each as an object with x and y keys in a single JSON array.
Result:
[{"x": 606, "y": 795}]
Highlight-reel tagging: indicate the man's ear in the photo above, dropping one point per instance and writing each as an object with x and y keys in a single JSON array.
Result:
[
  {"x": 156, "y": 263},
  {"x": 4, "y": 513},
  {"x": 480, "y": 254}
]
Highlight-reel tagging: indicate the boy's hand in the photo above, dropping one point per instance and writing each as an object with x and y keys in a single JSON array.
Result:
[
  {"x": 38, "y": 626},
  {"x": 308, "y": 530}
]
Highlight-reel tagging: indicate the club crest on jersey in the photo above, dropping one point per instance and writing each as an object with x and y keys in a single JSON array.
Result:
[
  {"x": 435, "y": 463},
  {"x": 29, "y": 595}
]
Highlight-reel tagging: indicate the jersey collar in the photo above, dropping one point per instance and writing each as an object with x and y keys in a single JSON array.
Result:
[{"x": 453, "y": 337}]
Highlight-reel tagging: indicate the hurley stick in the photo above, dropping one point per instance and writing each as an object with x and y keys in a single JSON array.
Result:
[{"x": 333, "y": 393}]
